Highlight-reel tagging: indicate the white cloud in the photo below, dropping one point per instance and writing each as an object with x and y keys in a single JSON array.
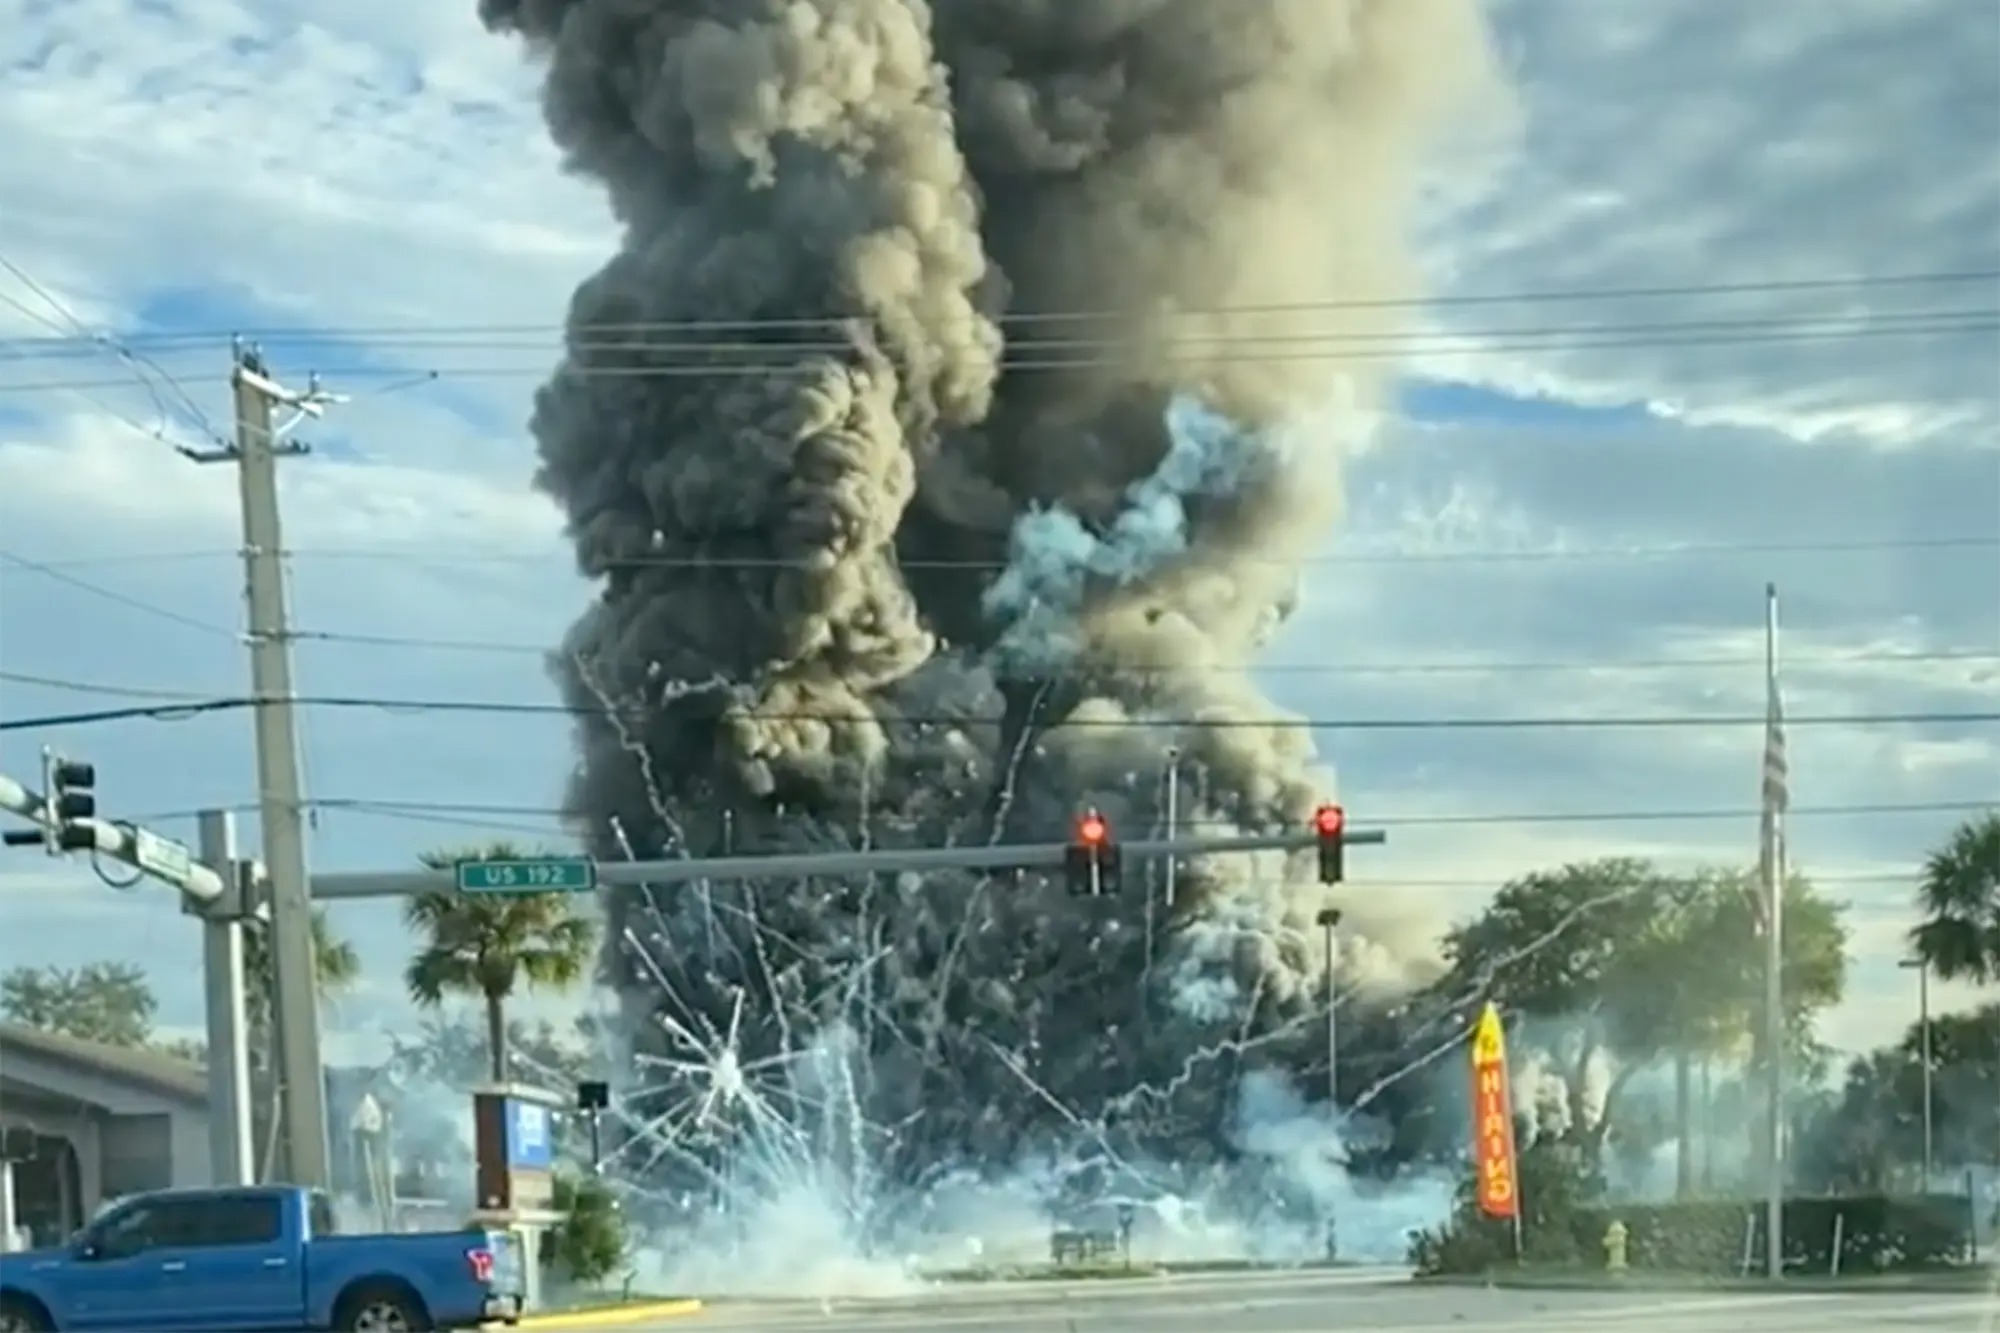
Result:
[
  {"x": 1679, "y": 143},
  {"x": 373, "y": 166}
]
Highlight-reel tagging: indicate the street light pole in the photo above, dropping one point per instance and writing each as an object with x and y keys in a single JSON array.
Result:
[
  {"x": 1923, "y": 970},
  {"x": 1329, "y": 922}
]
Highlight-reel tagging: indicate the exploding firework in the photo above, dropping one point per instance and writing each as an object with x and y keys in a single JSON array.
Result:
[{"x": 945, "y": 436}]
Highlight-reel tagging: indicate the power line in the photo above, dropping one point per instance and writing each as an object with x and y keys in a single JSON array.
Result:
[
  {"x": 648, "y": 340},
  {"x": 1769, "y": 287},
  {"x": 1334, "y": 559},
  {"x": 1450, "y": 345},
  {"x": 490, "y": 816},
  {"x": 111, "y": 594},
  {"x": 84, "y": 338},
  {"x": 180, "y": 712},
  {"x": 1794, "y": 663},
  {"x": 1510, "y": 818}
]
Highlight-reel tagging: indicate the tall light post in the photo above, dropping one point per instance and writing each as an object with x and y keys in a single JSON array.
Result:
[
  {"x": 1923, "y": 970},
  {"x": 1329, "y": 924}
]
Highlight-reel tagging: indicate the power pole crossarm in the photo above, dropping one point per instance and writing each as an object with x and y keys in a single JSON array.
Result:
[{"x": 162, "y": 858}]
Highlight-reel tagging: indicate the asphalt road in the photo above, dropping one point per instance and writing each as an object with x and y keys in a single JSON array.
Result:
[{"x": 1366, "y": 1303}]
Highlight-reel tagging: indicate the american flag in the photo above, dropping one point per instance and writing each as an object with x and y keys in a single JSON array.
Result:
[{"x": 1777, "y": 799}]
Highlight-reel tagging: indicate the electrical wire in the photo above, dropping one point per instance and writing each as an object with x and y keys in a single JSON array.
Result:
[
  {"x": 180, "y": 712},
  {"x": 143, "y": 370},
  {"x": 499, "y": 817},
  {"x": 1795, "y": 663},
  {"x": 807, "y": 364},
  {"x": 113, "y": 595},
  {"x": 585, "y": 345},
  {"x": 1493, "y": 818},
  {"x": 405, "y": 555},
  {"x": 58, "y": 570},
  {"x": 1768, "y": 287}
]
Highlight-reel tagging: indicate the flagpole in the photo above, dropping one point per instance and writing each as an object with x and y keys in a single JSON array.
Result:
[{"x": 1773, "y": 887}]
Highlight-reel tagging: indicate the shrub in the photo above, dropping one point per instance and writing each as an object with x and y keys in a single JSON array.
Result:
[
  {"x": 1556, "y": 1191},
  {"x": 1713, "y": 1237},
  {"x": 589, "y": 1243}
]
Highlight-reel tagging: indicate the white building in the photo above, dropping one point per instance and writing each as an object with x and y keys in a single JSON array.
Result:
[{"x": 88, "y": 1122}]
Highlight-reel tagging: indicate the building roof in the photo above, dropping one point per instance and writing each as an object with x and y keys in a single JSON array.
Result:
[{"x": 149, "y": 1069}]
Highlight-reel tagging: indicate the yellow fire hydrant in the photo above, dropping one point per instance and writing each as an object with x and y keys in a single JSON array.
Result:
[{"x": 1614, "y": 1246}]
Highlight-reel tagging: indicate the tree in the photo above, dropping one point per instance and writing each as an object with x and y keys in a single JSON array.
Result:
[
  {"x": 1618, "y": 967},
  {"x": 450, "y": 1054},
  {"x": 336, "y": 966},
  {"x": 1959, "y": 896},
  {"x": 109, "y": 1002},
  {"x": 487, "y": 945},
  {"x": 1870, "y": 1135},
  {"x": 1563, "y": 946},
  {"x": 588, "y": 1245}
]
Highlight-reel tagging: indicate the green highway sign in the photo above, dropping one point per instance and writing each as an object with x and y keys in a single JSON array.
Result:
[{"x": 542, "y": 874}]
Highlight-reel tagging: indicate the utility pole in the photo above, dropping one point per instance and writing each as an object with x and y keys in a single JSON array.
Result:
[{"x": 260, "y": 442}]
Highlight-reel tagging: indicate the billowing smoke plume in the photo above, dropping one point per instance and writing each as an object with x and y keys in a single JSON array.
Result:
[{"x": 936, "y": 435}]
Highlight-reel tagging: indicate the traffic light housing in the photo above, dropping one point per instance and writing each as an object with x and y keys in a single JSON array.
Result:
[
  {"x": 69, "y": 800},
  {"x": 69, "y": 792},
  {"x": 1091, "y": 861},
  {"x": 1330, "y": 826}
]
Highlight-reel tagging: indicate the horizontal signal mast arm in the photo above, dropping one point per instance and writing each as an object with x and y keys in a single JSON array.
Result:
[{"x": 401, "y": 884}]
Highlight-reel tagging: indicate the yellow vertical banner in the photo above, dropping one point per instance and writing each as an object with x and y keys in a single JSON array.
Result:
[{"x": 1493, "y": 1156}]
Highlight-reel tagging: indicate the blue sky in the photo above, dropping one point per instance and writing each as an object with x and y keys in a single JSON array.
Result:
[{"x": 1569, "y": 524}]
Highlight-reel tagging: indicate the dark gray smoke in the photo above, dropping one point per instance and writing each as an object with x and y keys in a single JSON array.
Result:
[{"x": 946, "y": 438}]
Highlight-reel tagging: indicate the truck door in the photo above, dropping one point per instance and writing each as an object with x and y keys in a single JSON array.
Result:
[
  {"x": 134, "y": 1275},
  {"x": 246, "y": 1267}
]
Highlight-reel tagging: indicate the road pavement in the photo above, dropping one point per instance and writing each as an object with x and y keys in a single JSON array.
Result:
[{"x": 1366, "y": 1302}]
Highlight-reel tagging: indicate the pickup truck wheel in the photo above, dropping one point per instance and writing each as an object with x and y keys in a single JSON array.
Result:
[
  {"x": 381, "y": 1310},
  {"x": 18, "y": 1316}
]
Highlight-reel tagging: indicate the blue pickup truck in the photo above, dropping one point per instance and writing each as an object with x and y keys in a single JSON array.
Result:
[{"x": 265, "y": 1259}]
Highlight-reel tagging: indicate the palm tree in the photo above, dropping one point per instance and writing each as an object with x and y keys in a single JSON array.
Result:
[
  {"x": 336, "y": 967},
  {"x": 486, "y": 945},
  {"x": 1959, "y": 895}
]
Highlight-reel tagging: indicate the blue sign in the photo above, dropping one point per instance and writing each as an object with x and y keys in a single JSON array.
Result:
[{"x": 530, "y": 1136}]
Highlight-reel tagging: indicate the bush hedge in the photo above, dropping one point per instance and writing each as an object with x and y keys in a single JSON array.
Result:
[
  {"x": 1876, "y": 1233},
  {"x": 1564, "y": 1221}
]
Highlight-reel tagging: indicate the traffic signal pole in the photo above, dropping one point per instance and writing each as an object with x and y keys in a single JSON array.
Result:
[
  {"x": 216, "y": 889},
  {"x": 407, "y": 883}
]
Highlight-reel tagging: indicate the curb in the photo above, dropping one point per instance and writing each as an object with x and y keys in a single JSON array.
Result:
[{"x": 612, "y": 1316}]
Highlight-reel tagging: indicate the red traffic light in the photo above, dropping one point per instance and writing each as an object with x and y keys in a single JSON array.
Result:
[
  {"x": 1092, "y": 830},
  {"x": 1329, "y": 820}
]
